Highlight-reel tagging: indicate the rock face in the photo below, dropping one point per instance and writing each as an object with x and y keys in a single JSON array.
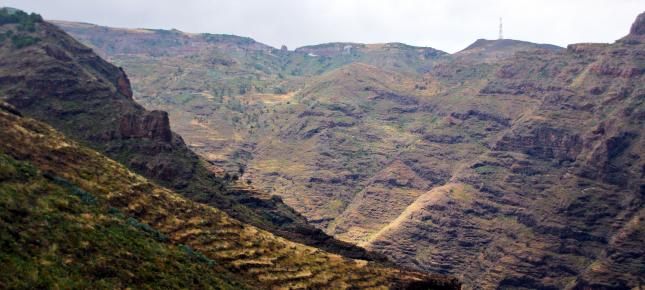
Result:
[
  {"x": 638, "y": 28},
  {"x": 123, "y": 84},
  {"x": 543, "y": 142},
  {"x": 153, "y": 125}
]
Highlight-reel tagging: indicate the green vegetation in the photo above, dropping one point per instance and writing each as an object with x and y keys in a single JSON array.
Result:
[
  {"x": 486, "y": 169},
  {"x": 25, "y": 21},
  {"x": 55, "y": 235}
]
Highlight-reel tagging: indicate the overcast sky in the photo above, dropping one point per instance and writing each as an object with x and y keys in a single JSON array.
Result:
[{"x": 449, "y": 25}]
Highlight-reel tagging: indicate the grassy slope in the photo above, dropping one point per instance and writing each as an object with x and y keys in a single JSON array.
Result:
[
  {"x": 55, "y": 235},
  {"x": 110, "y": 204}
]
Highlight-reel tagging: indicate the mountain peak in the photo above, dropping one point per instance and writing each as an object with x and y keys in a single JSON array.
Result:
[
  {"x": 498, "y": 44},
  {"x": 485, "y": 50}
]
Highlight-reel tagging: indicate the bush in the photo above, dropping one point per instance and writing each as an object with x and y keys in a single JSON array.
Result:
[
  {"x": 20, "y": 41},
  {"x": 25, "y": 21},
  {"x": 196, "y": 255},
  {"x": 85, "y": 196},
  {"x": 279, "y": 91},
  {"x": 147, "y": 229}
]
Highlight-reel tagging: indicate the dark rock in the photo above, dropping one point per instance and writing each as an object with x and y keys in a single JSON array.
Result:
[
  {"x": 153, "y": 125},
  {"x": 446, "y": 139},
  {"x": 638, "y": 27},
  {"x": 544, "y": 142},
  {"x": 123, "y": 84}
]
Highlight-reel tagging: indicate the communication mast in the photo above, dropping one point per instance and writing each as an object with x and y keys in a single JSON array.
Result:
[{"x": 501, "y": 36}]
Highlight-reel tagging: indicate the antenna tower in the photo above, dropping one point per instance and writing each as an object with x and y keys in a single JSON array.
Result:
[{"x": 501, "y": 36}]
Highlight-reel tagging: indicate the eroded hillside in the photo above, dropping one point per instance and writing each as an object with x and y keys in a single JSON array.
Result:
[{"x": 509, "y": 164}]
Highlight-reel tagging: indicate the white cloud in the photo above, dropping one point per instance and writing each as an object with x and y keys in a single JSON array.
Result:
[{"x": 442, "y": 24}]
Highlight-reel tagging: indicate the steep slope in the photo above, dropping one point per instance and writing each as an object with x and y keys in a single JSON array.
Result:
[
  {"x": 50, "y": 76},
  {"x": 556, "y": 201},
  {"x": 340, "y": 131},
  {"x": 85, "y": 205}
]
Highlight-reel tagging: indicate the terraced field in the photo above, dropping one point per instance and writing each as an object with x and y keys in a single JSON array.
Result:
[{"x": 254, "y": 256}]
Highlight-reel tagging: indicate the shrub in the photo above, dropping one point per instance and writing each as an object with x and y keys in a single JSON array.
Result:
[
  {"x": 20, "y": 41},
  {"x": 85, "y": 196},
  {"x": 196, "y": 255},
  {"x": 279, "y": 91},
  {"x": 25, "y": 21},
  {"x": 147, "y": 229}
]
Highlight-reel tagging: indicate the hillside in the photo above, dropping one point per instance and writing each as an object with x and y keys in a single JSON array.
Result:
[
  {"x": 508, "y": 164},
  {"x": 556, "y": 199},
  {"x": 48, "y": 75},
  {"x": 75, "y": 218},
  {"x": 215, "y": 87}
]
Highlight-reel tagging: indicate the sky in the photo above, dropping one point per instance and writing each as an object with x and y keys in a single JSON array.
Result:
[{"x": 448, "y": 25}]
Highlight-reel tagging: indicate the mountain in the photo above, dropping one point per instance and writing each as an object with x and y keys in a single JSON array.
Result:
[
  {"x": 484, "y": 50},
  {"x": 57, "y": 80},
  {"x": 73, "y": 217},
  {"x": 215, "y": 86},
  {"x": 555, "y": 200},
  {"x": 508, "y": 164}
]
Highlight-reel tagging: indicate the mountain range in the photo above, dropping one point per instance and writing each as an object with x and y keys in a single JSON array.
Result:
[
  {"x": 508, "y": 165},
  {"x": 87, "y": 208}
]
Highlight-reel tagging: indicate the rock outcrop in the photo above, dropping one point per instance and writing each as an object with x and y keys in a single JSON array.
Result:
[{"x": 153, "y": 125}]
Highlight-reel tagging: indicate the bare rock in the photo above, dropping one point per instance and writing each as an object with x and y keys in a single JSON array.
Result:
[{"x": 152, "y": 125}]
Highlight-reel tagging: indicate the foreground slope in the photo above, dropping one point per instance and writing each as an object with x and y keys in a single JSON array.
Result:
[
  {"x": 94, "y": 207},
  {"x": 50, "y": 76}
]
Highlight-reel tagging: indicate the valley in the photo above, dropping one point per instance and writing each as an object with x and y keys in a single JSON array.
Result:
[
  {"x": 450, "y": 165},
  {"x": 506, "y": 165}
]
